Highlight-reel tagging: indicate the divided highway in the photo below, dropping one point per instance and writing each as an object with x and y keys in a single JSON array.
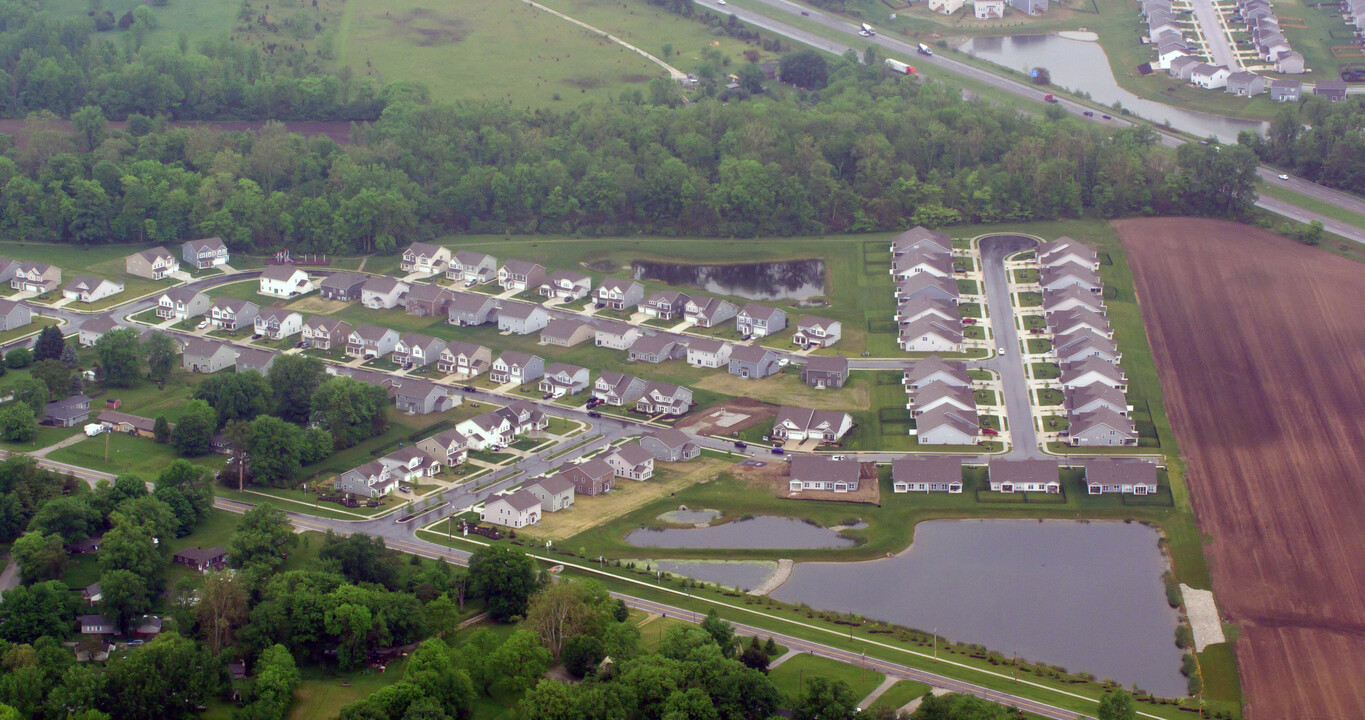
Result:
[{"x": 909, "y": 51}]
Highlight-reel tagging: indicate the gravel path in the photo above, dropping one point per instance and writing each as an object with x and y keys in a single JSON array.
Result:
[
  {"x": 774, "y": 581},
  {"x": 1203, "y": 614}
]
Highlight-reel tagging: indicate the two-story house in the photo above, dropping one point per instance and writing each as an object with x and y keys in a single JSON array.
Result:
[
  {"x": 753, "y": 362},
  {"x": 465, "y": 359},
  {"x": 35, "y": 277},
  {"x": 709, "y": 353},
  {"x": 371, "y": 341},
  {"x": 181, "y": 303},
  {"x": 590, "y": 477},
  {"x": 661, "y": 398},
  {"x": 472, "y": 268},
  {"x": 615, "y": 335},
  {"x": 708, "y": 311},
  {"x": 486, "y": 431},
  {"x": 415, "y": 350},
  {"x": 522, "y": 318},
  {"x": 429, "y": 300},
  {"x": 617, "y": 389},
  {"x": 382, "y": 292},
  {"x": 422, "y": 397},
  {"x": 817, "y": 332},
  {"x": 424, "y": 258},
  {"x": 516, "y": 510},
  {"x": 204, "y": 253},
  {"x": 469, "y": 309},
  {"x": 562, "y": 379},
  {"x": 153, "y": 264},
  {"x": 230, "y": 313},
  {"x": 16, "y": 315},
  {"x": 206, "y": 356},
  {"x": 669, "y": 445},
  {"x": 759, "y": 320},
  {"x": 658, "y": 348},
  {"x": 822, "y": 372},
  {"x": 520, "y": 275},
  {"x": 554, "y": 492},
  {"x": 254, "y": 359},
  {"x": 372, "y": 480},
  {"x": 276, "y": 323},
  {"x": 617, "y": 294},
  {"x": 517, "y": 367},
  {"x": 567, "y": 332},
  {"x": 664, "y": 305},
  {"x": 285, "y": 281},
  {"x": 344, "y": 287},
  {"x": 567, "y": 285},
  {"x": 448, "y": 446},
  {"x": 631, "y": 461},
  {"x": 324, "y": 333}
]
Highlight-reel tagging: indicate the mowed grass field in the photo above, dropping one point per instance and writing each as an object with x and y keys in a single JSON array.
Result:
[{"x": 500, "y": 50}]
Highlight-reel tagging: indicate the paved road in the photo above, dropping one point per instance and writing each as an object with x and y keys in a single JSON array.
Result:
[
  {"x": 909, "y": 52},
  {"x": 1214, "y": 36},
  {"x": 1011, "y": 364}
]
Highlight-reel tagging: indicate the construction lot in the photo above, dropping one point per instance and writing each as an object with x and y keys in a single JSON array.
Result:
[{"x": 1258, "y": 345}]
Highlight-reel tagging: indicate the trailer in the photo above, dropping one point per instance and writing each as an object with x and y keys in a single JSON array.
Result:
[
  {"x": 899, "y": 67},
  {"x": 925, "y": 50},
  {"x": 868, "y": 29}
]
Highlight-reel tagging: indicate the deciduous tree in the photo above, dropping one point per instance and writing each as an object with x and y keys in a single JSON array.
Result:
[
  {"x": 120, "y": 356},
  {"x": 505, "y": 577},
  {"x": 40, "y": 557},
  {"x": 192, "y": 434}
]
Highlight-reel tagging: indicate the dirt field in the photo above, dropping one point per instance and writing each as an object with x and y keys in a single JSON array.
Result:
[
  {"x": 787, "y": 389},
  {"x": 588, "y": 512},
  {"x": 733, "y": 416},
  {"x": 1260, "y": 346},
  {"x": 774, "y": 476}
]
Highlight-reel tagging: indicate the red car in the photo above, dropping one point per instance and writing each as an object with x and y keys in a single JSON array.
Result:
[{"x": 988, "y": 431}]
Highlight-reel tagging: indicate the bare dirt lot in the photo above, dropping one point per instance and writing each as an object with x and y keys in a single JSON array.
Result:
[
  {"x": 729, "y": 417},
  {"x": 1260, "y": 345}
]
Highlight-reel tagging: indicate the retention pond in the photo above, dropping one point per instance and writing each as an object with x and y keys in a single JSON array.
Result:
[
  {"x": 1084, "y": 596},
  {"x": 760, "y": 533},
  {"x": 785, "y": 280}
]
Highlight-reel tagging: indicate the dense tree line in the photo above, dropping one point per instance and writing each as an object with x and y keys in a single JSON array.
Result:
[
  {"x": 1321, "y": 141},
  {"x": 56, "y": 62},
  {"x": 867, "y": 152}
]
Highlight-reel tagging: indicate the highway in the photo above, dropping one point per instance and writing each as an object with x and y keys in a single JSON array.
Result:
[{"x": 909, "y": 52}]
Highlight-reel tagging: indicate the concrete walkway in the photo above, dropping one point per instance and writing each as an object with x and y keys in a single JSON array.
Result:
[
  {"x": 774, "y": 581},
  {"x": 64, "y": 443},
  {"x": 789, "y": 655},
  {"x": 887, "y": 682}
]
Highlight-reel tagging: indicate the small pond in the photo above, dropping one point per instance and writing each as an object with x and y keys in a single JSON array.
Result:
[
  {"x": 745, "y": 574},
  {"x": 1085, "y": 596},
  {"x": 689, "y": 517},
  {"x": 760, "y": 533},
  {"x": 1082, "y": 65},
  {"x": 785, "y": 280}
]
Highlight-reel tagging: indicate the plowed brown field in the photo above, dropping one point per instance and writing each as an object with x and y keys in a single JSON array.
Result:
[{"x": 1260, "y": 346}]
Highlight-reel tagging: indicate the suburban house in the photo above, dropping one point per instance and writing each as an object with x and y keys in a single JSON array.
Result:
[
  {"x": 1029, "y": 7},
  {"x": 753, "y": 361},
  {"x": 631, "y": 461},
  {"x": 422, "y": 397},
  {"x": 1069, "y": 274},
  {"x": 1097, "y": 396},
  {"x": 15, "y": 315},
  {"x": 759, "y": 320},
  {"x": 68, "y": 412},
  {"x": 134, "y": 425},
  {"x": 926, "y": 473},
  {"x": 429, "y": 300},
  {"x": 617, "y": 389},
  {"x": 918, "y": 237},
  {"x": 818, "y": 472},
  {"x": 935, "y": 369},
  {"x": 822, "y": 372},
  {"x": 617, "y": 294},
  {"x": 86, "y": 289},
  {"x": 946, "y": 425},
  {"x": 801, "y": 424},
  {"x": 493, "y": 429},
  {"x": 1168, "y": 50},
  {"x": 1210, "y": 77},
  {"x": 662, "y": 398},
  {"x": 562, "y": 379},
  {"x": 382, "y": 292},
  {"x": 345, "y": 287},
  {"x": 1333, "y": 90},
  {"x": 424, "y": 258},
  {"x": 945, "y": 7},
  {"x": 928, "y": 286},
  {"x": 922, "y": 260},
  {"x": 658, "y": 348},
  {"x": 1120, "y": 475},
  {"x": 91, "y": 330},
  {"x": 1245, "y": 84},
  {"x": 91, "y": 593},
  {"x": 520, "y": 275},
  {"x": 371, "y": 341},
  {"x": 472, "y": 268},
  {"x": 554, "y": 492},
  {"x": 1291, "y": 63},
  {"x": 517, "y": 367},
  {"x": 708, "y": 311},
  {"x": 591, "y": 477},
  {"x": 254, "y": 359},
  {"x": 665, "y": 304},
  {"x": 411, "y": 463},
  {"x": 415, "y": 350},
  {"x": 989, "y": 9},
  {"x": 96, "y": 625},
  {"x": 1082, "y": 344},
  {"x": 615, "y": 335},
  {"x": 1101, "y": 427},
  {"x": 922, "y": 307},
  {"x": 465, "y": 359},
  {"x": 371, "y": 480},
  {"x": 204, "y": 253},
  {"x": 930, "y": 334},
  {"x": 817, "y": 332},
  {"x": 285, "y": 281},
  {"x": 936, "y": 394},
  {"x": 471, "y": 309},
  {"x": 449, "y": 447},
  {"x": 669, "y": 445},
  {"x": 1066, "y": 250},
  {"x": 206, "y": 356},
  {"x": 567, "y": 285},
  {"x": 277, "y": 323},
  {"x": 153, "y": 264},
  {"x": 181, "y": 303},
  {"x": 515, "y": 510},
  {"x": 1285, "y": 90},
  {"x": 1181, "y": 67},
  {"x": 1024, "y": 476},
  {"x": 324, "y": 333},
  {"x": 230, "y": 313},
  {"x": 522, "y": 318},
  {"x": 1091, "y": 371},
  {"x": 567, "y": 332},
  {"x": 214, "y": 558},
  {"x": 705, "y": 352},
  {"x": 1077, "y": 320},
  {"x": 1072, "y": 298}
]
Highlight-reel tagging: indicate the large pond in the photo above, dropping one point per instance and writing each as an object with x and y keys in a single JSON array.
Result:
[
  {"x": 1082, "y": 65},
  {"x": 1085, "y": 596},
  {"x": 760, "y": 533},
  {"x": 786, "y": 280},
  {"x": 745, "y": 575}
]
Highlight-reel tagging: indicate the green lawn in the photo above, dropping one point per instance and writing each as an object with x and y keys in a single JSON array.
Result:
[
  {"x": 245, "y": 290},
  {"x": 46, "y": 436},
  {"x": 36, "y": 326},
  {"x": 789, "y": 677},
  {"x": 899, "y": 694},
  {"x": 1312, "y": 204},
  {"x": 127, "y": 454},
  {"x": 323, "y": 691},
  {"x": 1026, "y": 276}
]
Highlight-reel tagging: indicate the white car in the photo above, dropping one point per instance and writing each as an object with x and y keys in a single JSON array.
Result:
[
  {"x": 1282, "y": 176},
  {"x": 783, "y": 362},
  {"x": 203, "y": 325},
  {"x": 721, "y": 2},
  {"x": 1000, "y": 350}
]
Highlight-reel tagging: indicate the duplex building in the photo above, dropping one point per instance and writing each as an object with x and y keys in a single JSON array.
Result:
[
  {"x": 819, "y": 472},
  {"x": 946, "y": 425},
  {"x": 661, "y": 398},
  {"x": 1101, "y": 427},
  {"x": 926, "y": 473},
  {"x": 1120, "y": 475},
  {"x": 800, "y": 424}
]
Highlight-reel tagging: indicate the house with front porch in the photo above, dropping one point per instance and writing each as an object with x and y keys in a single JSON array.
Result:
[
  {"x": 411, "y": 463},
  {"x": 617, "y": 389},
  {"x": 930, "y": 334},
  {"x": 204, "y": 253},
  {"x": 631, "y": 461},
  {"x": 708, "y": 312},
  {"x": 1010, "y": 476},
  {"x": 372, "y": 480},
  {"x": 665, "y": 305},
  {"x": 448, "y": 447},
  {"x": 87, "y": 289},
  {"x": 820, "y": 472},
  {"x": 1120, "y": 475},
  {"x": 618, "y": 294},
  {"x": 816, "y": 332},
  {"x": 415, "y": 350},
  {"x": 152, "y": 264},
  {"x": 567, "y": 285},
  {"x": 562, "y": 379},
  {"x": 1097, "y": 396},
  {"x": 800, "y": 424},
  {"x": 466, "y": 359},
  {"x": 324, "y": 333},
  {"x": 181, "y": 303},
  {"x": 277, "y": 323},
  {"x": 230, "y": 313},
  {"x": 517, "y": 367},
  {"x": 520, "y": 275},
  {"x": 926, "y": 473},
  {"x": 472, "y": 268},
  {"x": 758, "y": 321},
  {"x": 371, "y": 341},
  {"x": 1069, "y": 274},
  {"x": 493, "y": 429},
  {"x": 927, "y": 286},
  {"x": 424, "y": 258},
  {"x": 1090, "y": 371},
  {"x": 661, "y": 398},
  {"x": 1082, "y": 344}
]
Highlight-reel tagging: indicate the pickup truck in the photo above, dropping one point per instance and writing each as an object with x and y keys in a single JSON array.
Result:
[{"x": 1049, "y": 98}]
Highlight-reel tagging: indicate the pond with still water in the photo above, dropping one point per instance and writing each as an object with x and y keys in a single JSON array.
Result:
[
  {"x": 1081, "y": 65},
  {"x": 745, "y": 575},
  {"x": 760, "y": 533},
  {"x": 786, "y": 280},
  {"x": 1085, "y": 596}
]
